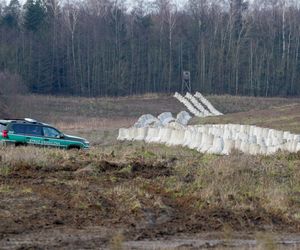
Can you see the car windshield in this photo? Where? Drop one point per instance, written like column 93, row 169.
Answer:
column 51, row 132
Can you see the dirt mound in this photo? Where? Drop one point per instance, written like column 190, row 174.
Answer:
column 135, row 168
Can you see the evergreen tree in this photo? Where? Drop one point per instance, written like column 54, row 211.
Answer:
column 11, row 14
column 35, row 14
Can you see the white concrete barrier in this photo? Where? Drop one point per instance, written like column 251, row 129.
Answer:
column 189, row 106
column 146, row 120
column 217, row 147
column 261, row 141
column 210, row 107
column 183, row 118
column 197, row 140
column 165, row 118
column 228, row 146
column 188, row 137
column 177, row 137
column 237, row 144
column 245, row 147
column 254, row 149
column 198, row 105
column 207, row 143
column 263, row 150
column 156, row 136
column 227, row 134
column 123, row 134
column 132, row 133
column 141, row 134
column 152, row 132
column 217, row 138
column 166, row 135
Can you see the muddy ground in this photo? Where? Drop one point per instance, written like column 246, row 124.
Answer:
column 80, row 200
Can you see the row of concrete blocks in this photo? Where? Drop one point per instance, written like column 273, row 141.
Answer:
column 217, row 139
column 198, row 105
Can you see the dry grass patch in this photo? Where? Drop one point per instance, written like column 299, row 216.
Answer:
column 156, row 190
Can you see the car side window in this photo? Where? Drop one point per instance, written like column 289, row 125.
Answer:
column 33, row 130
column 51, row 132
column 19, row 128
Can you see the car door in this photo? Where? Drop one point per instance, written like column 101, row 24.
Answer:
column 33, row 135
column 52, row 137
column 17, row 133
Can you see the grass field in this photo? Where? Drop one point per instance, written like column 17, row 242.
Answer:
column 121, row 192
column 98, row 119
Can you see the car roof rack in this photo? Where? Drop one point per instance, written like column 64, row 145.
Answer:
column 30, row 120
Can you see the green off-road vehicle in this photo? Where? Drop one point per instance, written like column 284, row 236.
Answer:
column 31, row 132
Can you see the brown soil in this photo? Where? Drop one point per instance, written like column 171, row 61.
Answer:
column 60, row 206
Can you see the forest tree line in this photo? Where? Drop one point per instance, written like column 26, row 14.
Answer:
column 103, row 47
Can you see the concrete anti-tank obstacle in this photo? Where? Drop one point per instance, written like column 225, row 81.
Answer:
column 198, row 105
column 217, row 139
column 132, row 133
column 228, row 146
column 177, row 137
column 166, row 135
column 207, row 143
column 156, row 138
column 142, row 133
column 197, row 140
column 227, row 133
column 189, row 135
column 237, row 144
column 254, row 149
column 217, row 147
column 183, row 118
column 152, row 133
column 160, row 134
column 122, row 134
column 210, row 107
column 147, row 120
column 189, row 106
column 176, row 125
column 165, row 118
column 245, row 147
column 263, row 150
